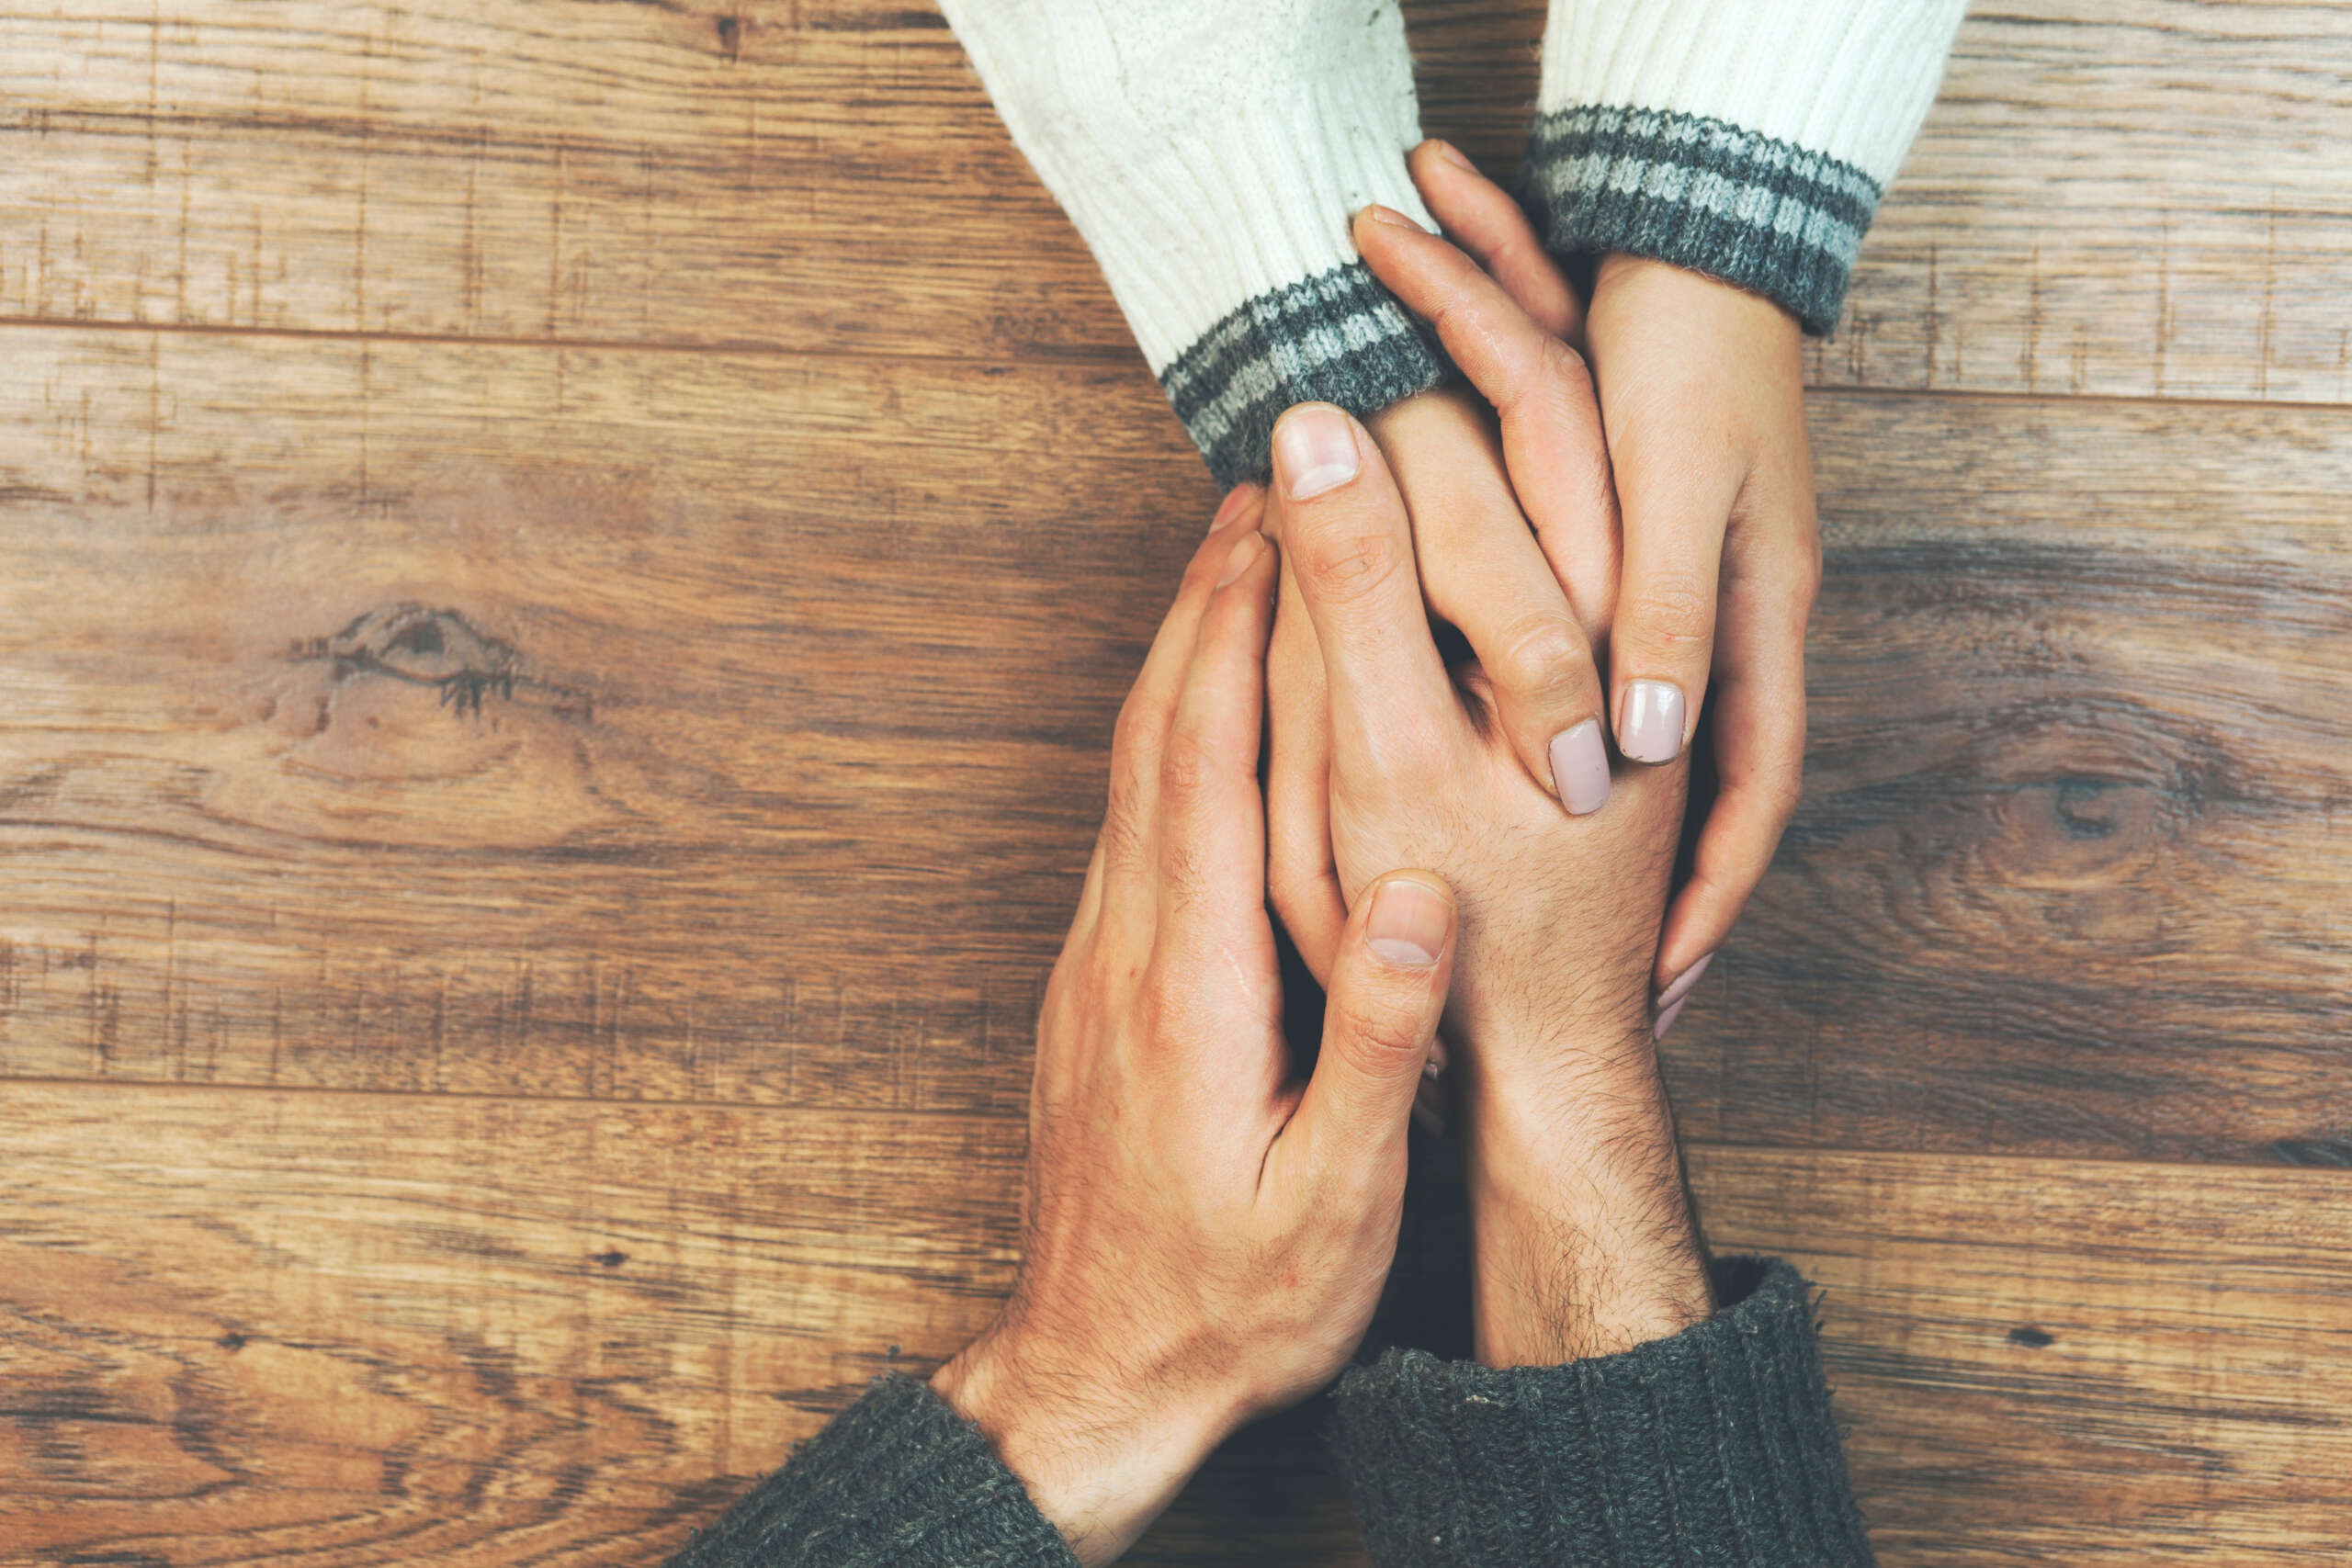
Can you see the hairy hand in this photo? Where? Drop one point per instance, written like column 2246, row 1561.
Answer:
column 1205, row 1237
column 1582, row 1243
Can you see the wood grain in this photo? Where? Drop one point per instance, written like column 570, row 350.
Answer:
column 2118, row 196
column 569, row 570
column 2069, row 872
column 446, row 716
column 484, row 1331
column 796, row 662
column 2070, row 1361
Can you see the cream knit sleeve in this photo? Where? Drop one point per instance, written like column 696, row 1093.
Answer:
column 1211, row 153
column 1746, row 139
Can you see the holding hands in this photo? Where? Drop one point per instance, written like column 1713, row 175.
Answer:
column 1205, row 1237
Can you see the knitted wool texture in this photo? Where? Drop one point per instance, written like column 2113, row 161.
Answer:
column 1749, row 140
column 897, row 1481
column 1714, row 1446
column 1212, row 152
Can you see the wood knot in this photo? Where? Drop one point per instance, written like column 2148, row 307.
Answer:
column 411, row 725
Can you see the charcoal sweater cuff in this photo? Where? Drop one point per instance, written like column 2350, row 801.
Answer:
column 1716, row 1446
column 898, row 1480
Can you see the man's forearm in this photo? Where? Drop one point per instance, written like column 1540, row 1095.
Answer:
column 1583, row 1239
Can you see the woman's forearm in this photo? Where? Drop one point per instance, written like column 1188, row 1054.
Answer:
column 1211, row 154
column 1749, row 140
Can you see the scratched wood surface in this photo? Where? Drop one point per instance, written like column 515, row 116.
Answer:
column 569, row 570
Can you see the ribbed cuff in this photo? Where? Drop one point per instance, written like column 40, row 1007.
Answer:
column 898, row 1480
column 1715, row 1446
column 1765, row 215
column 1338, row 337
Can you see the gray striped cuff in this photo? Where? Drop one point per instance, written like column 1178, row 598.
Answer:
column 1337, row 338
column 1766, row 215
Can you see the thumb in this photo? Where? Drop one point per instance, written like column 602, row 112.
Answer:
column 1387, row 991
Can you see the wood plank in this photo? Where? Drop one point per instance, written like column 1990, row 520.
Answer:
column 721, row 685
column 2070, row 873
column 804, row 667
column 2071, row 1361
column 2118, row 197
column 345, row 1329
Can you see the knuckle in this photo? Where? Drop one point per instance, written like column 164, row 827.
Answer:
column 1540, row 656
column 1345, row 565
column 1674, row 612
column 1125, row 838
column 1380, row 1033
column 1135, row 738
column 1188, row 766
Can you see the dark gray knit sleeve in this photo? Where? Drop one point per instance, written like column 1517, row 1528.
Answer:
column 1715, row 1447
column 897, row 1481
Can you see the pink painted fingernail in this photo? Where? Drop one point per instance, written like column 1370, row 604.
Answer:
column 1649, row 729
column 1315, row 450
column 1410, row 923
column 1683, row 984
column 1665, row 1021
column 1580, row 768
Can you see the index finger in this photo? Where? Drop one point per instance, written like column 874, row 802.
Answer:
column 1542, row 394
column 1345, row 533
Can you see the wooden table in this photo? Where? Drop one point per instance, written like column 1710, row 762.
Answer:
column 569, row 569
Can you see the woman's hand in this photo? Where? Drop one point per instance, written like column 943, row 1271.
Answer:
column 1700, row 393
column 1206, row 1238
column 1583, row 1245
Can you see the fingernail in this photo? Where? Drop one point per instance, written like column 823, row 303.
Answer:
column 1650, row 728
column 1454, row 155
column 1683, row 982
column 1665, row 1021
column 1236, row 500
column 1580, row 768
column 1410, row 923
column 1315, row 450
column 1242, row 557
column 1390, row 217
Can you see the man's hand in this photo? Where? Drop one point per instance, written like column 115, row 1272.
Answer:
column 1702, row 396
column 1583, row 1245
column 1206, row 1238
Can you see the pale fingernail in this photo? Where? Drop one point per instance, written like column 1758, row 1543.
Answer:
column 1672, row 995
column 1580, row 768
column 1665, row 1021
column 1408, row 923
column 1454, row 155
column 1315, row 450
column 1388, row 217
column 1236, row 502
column 1649, row 729
column 1243, row 556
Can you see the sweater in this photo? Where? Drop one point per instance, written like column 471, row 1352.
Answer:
column 1211, row 154
column 1716, row 1446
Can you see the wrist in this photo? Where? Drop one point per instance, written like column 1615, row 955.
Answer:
column 1099, row 1455
column 1583, row 1240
